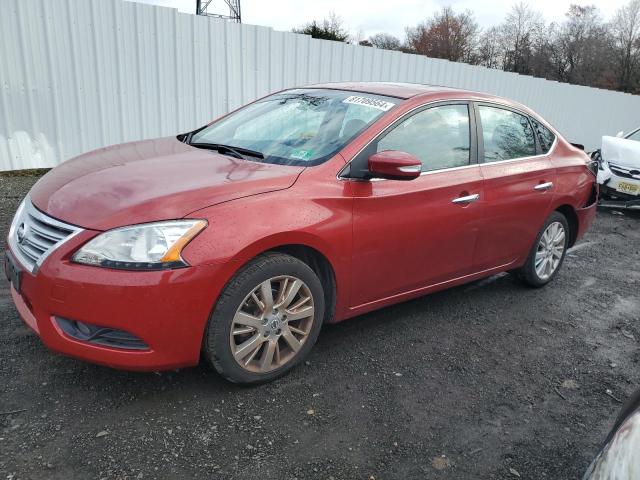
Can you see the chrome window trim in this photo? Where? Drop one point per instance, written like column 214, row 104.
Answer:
column 445, row 102
column 422, row 174
column 530, row 157
column 27, row 208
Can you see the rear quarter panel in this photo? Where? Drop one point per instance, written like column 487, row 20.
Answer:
column 576, row 186
column 574, row 181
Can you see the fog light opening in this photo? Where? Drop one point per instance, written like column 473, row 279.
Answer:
column 104, row 336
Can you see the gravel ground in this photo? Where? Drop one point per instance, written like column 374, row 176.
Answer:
column 487, row 380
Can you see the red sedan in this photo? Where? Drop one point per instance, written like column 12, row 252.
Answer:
column 309, row 206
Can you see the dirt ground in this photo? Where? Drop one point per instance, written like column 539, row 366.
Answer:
column 487, row 380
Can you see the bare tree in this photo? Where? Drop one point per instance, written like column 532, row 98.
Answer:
column 583, row 42
column 545, row 57
column 519, row 34
column 625, row 29
column 489, row 49
column 550, row 60
column 360, row 39
column 582, row 49
column 385, row 41
column 328, row 29
column 445, row 35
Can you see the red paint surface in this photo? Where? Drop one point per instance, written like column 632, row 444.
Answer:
column 386, row 241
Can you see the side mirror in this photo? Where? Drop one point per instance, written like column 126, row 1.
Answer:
column 620, row 134
column 394, row 165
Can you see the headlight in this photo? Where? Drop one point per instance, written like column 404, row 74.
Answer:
column 150, row 246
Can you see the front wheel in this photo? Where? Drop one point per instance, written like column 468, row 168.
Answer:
column 266, row 320
column 548, row 252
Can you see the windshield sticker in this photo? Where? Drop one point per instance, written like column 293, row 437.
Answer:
column 300, row 154
column 369, row 102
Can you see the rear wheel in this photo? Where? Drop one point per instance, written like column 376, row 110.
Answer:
column 548, row 252
column 266, row 320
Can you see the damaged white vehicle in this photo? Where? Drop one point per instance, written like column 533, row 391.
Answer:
column 619, row 170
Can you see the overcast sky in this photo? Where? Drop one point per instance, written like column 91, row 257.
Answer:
column 373, row 16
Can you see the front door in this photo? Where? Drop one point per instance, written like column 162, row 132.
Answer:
column 412, row 234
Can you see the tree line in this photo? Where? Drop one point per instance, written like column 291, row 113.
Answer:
column 583, row 49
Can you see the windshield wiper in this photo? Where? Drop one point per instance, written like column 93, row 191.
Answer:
column 237, row 152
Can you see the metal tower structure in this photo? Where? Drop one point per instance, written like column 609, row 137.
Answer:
column 204, row 7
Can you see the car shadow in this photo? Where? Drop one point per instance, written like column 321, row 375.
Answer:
column 334, row 341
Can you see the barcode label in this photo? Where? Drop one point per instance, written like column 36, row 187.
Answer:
column 369, row 102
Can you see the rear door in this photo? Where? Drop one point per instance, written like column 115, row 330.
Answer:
column 519, row 181
column 412, row 234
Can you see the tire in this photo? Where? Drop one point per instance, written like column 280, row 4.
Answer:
column 528, row 272
column 263, row 344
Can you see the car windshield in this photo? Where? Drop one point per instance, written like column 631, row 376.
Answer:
column 634, row 135
column 295, row 127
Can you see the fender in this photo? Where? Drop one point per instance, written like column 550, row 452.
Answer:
column 243, row 230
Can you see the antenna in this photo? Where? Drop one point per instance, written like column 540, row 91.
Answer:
column 204, row 7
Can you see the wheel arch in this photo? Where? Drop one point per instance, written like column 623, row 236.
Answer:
column 321, row 266
column 309, row 250
column 572, row 219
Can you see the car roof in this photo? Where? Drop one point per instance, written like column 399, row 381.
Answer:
column 391, row 89
column 410, row 90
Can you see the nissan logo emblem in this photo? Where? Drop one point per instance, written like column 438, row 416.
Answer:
column 21, row 233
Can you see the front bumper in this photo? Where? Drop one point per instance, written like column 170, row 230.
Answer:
column 612, row 197
column 618, row 181
column 167, row 310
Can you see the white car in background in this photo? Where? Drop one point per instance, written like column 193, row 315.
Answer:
column 619, row 170
column 619, row 456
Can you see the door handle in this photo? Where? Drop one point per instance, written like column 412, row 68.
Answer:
column 543, row 186
column 468, row 199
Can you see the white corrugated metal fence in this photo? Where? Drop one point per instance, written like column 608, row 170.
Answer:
column 77, row 75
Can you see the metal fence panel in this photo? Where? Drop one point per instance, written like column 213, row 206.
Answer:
column 86, row 74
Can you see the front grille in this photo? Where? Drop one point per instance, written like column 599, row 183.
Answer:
column 34, row 235
column 625, row 171
column 105, row 336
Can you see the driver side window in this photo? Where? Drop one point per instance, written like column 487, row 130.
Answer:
column 438, row 136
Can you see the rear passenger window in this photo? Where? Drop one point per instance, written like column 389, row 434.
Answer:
column 545, row 136
column 438, row 136
column 506, row 134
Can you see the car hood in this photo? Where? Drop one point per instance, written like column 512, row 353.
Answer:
column 150, row 180
column 620, row 151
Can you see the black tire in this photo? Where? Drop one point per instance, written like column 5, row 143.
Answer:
column 216, row 343
column 527, row 273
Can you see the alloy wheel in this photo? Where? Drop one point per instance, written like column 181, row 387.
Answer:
column 550, row 250
column 271, row 324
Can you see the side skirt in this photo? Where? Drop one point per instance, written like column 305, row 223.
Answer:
column 419, row 292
